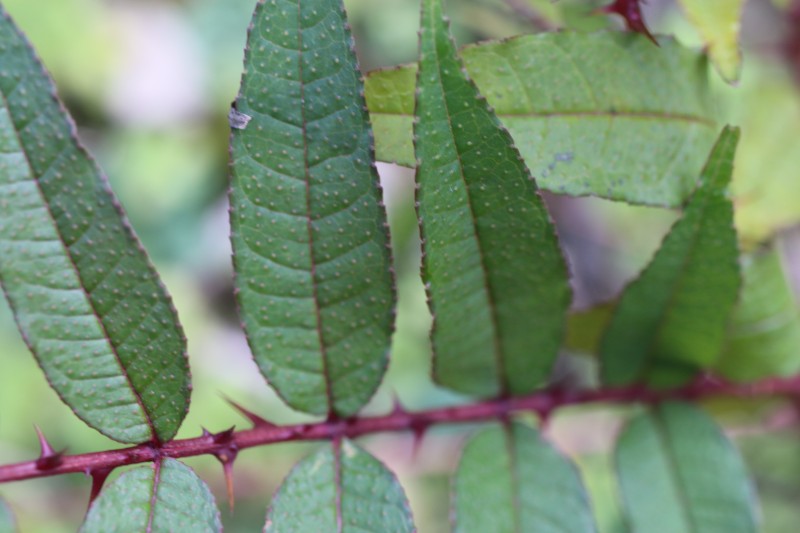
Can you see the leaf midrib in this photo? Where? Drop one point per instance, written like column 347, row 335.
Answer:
column 309, row 224
column 497, row 341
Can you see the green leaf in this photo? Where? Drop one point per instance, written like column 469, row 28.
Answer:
column 585, row 328
column 308, row 227
column 606, row 114
column 510, row 480
column 7, row 522
column 765, row 183
column 84, row 294
column 718, row 22
column 763, row 337
column 340, row 488
column 678, row 473
column 496, row 278
column 670, row 321
column 163, row 497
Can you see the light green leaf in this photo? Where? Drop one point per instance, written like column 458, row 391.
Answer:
column 308, row 227
column 510, row 480
column 606, row 114
column 86, row 299
column 718, row 22
column 766, row 181
column 763, row 337
column 679, row 473
column 340, row 488
column 670, row 322
column 7, row 522
column 496, row 277
column 159, row 498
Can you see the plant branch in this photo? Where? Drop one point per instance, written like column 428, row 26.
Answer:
column 541, row 402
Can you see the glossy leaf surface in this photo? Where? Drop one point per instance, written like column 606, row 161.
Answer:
column 340, row 489
column 510, row 480
column 310, row 247
column 678, row 472
column 154, row 499
column 496, row 279
column 606, row 114
column 670, row 321
column 86, row 299
column 718, row 23
column 763, row 337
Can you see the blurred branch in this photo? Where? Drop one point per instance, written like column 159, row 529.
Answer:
column 229, row 443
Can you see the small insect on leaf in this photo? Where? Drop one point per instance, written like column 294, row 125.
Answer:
column 237, row 120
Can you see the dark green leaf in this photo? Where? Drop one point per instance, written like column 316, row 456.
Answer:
column 163, row 497
column 670, row 322
column 340, row 488
column 510, row 480
column 605, row 113
column 496, row 278
column 679, row 473
column 308, row 227
column 7, row 522
column 763, row 337
column 86, row 299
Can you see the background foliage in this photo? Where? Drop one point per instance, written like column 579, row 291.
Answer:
column 150, row 84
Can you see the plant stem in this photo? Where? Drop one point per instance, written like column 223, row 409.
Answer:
column 541, row 402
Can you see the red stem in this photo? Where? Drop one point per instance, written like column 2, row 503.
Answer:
column 542, row 402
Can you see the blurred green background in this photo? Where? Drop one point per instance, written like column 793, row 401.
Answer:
column 150, row 83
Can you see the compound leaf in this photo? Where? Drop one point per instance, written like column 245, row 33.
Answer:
column 670, row 322
column 678, row 472
column 308, row 227
column 496, row 278
column 605, row 114
column 510, row 480
column 340, row 488
column 163, row 497
column 763, row 337
column 718, row 22
column 85, row 296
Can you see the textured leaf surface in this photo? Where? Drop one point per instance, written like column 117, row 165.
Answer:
column 671, row 321
column 510, row 480
column 311, row 250
column 718, row 22
column 606, row 114
column 155, row 499
column 7, row 522
column 85, row 297
column 496, row 278
column 763, row 337
column 341, row 489
column 678, row 473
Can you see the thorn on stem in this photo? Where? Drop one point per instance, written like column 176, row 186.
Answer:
column 226, row 457
column 48, row 458
column 631, row 11
column 99, row 477
column 256, row 420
